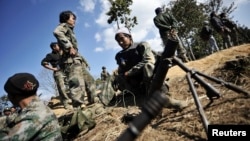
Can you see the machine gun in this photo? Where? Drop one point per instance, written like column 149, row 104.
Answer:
column 157, row 99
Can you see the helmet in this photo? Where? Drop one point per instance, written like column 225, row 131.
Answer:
column 124, row 31
column 103, row 67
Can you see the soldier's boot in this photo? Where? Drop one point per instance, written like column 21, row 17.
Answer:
column 175, row 104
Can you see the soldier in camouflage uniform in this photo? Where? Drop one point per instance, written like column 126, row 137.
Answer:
column 167, row 24
column 136, row 62
column 52, row 62
column 34, row 121
column 104, row 74
column 80, row 81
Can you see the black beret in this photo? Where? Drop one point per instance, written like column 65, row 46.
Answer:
column 21, row 84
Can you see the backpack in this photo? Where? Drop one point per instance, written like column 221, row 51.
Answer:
column 107, row 91
column 75, row 122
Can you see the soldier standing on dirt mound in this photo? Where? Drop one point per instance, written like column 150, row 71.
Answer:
column 206, row 35
column 136, row 63
column 167, row 24
column 73, row 64
column 223, row 30
column 232, row 26
column 52, row 62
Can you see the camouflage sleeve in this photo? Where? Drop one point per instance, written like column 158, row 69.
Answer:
column 147, row 57
column 60, row 34
column 3, row 122
column 36, row 123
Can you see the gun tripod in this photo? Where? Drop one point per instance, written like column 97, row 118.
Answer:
column 157, row 100
column 212, row 93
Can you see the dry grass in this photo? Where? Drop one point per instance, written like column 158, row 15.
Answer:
column 230, row 108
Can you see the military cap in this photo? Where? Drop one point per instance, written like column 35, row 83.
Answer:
column 21, row 84
column 123, row 31
column 6, row 109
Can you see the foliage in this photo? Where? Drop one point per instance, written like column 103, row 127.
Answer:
column 191, row 16
column 119, row 12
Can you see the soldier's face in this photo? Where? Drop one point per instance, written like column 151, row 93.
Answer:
column 123, row 40
column 56, row 48
column 71, row 21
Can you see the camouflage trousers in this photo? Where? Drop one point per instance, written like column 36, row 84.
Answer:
column 76, row 83
column 90, row 85
column 59, row 78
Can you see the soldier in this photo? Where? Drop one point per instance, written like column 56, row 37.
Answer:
column 52, row 62
column 207, row 36
column 224, row 31
column 136, row 62
column 34, row 120
column 232, row 26
column 104, row 74
column 167, row 25
column 73, row 64
column 7, row 111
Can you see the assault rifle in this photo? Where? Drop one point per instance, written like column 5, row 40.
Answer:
column 157, row 99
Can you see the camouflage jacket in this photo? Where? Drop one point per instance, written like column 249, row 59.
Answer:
column 104, row 75
column 132, row 59
column 36, row 122
column 66, row 38
column 165, row 22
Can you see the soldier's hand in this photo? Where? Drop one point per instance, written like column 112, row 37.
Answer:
column 56, row 69
column 72, row 51
column 173, row 32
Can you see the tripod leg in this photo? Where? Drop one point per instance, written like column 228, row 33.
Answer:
column 197, row 102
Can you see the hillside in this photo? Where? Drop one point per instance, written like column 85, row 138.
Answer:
column 231, row 65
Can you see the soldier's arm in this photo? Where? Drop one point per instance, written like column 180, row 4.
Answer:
column 3, row 122
column 148, row 57
column 161, row 24
column 46, row 63
column 60, row 34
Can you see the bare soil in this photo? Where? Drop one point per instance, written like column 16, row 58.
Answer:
column 230, row 65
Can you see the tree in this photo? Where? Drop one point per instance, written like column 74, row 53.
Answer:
column 47, row 82
column 119, row 12
column 190, row 16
